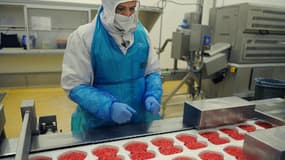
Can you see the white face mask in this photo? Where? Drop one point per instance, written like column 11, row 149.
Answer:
column 125, row 23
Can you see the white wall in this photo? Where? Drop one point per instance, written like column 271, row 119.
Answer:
column 172, row 16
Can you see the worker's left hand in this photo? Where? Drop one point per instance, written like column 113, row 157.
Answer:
column 152, row 105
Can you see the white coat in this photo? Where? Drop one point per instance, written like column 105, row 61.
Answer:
column 77, row 68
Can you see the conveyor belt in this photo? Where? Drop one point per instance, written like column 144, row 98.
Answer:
column 195, row 144
column 162, row 139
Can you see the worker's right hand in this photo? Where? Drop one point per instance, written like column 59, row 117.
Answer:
column 121, row 113
column 152, row 105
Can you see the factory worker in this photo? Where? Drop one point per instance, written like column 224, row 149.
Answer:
column 111, row 70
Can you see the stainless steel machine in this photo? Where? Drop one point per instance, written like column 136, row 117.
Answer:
column 247, row 41
column 235, row 130
column 256, row 34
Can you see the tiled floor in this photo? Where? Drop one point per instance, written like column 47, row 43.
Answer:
column 53, row 101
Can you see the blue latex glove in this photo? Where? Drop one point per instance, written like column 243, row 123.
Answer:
column 121, row 113
column 152, row 105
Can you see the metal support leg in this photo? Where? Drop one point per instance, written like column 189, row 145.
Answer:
column 24, row 141
column 29, row 127
column 173, row 93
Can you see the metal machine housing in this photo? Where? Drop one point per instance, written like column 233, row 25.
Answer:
column 256, row 32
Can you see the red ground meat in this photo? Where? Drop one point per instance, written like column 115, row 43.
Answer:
column 237, row 136
column 190, row 141
column 139, row 151
column 182, row 158
column 142, row 155
column 247, row 127
column 110, row 158
column 73, row 155
column 235, row 151
column 210, row 134
column 264, row 124
column 214, row 138
column 209, row 155
column 229, row 130
column 233, row 133
column 186, row 138
column 136, row 147
column 170, row 150
column 161, row 142
column 105, row 151
column 218, row 141
column 196, row 145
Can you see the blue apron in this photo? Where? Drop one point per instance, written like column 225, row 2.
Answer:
column 120, row 75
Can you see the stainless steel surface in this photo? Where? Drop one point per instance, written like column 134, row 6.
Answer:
column 215, row 63
column 242, row 80
column 248, row 24
column 29, row 127
column 180, row 44
column 2, row 119
column 8, row 147
column 218, row 48
column 58, row 141
column 148, row 16
column 188, row 45
column 208, row 145
column 29, row 105
column 198, row 31
column 265, row 145
column 272, row 110
column 24, row 141
column 187, row 41
column 217, row 111
column 253, row 53
column 54, row 145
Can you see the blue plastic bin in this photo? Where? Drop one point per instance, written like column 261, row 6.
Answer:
column 269, row 88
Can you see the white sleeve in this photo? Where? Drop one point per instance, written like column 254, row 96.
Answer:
column 76, row 67
column 153, row 64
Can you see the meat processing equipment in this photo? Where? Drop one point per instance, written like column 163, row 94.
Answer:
column 173, row 139
column 247, row 41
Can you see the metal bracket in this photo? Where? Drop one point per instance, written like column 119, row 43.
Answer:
column 29, row 105
column 29, row 127
column 47, row 124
